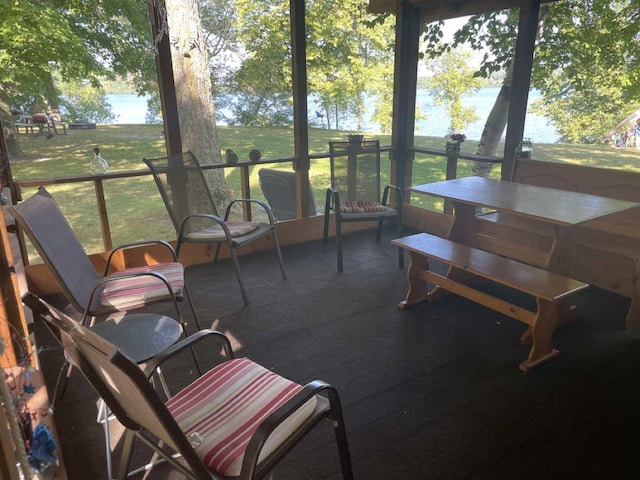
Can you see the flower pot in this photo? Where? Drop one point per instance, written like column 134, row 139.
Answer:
column 355, row 138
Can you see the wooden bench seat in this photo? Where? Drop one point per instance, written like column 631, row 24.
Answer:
column 467, row 263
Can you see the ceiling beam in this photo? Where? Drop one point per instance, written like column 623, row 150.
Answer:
column 433, row 10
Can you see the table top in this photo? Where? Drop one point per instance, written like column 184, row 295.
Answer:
column 560, row 207
column 140, row 336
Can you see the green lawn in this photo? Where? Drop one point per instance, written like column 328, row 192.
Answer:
column 134, row 206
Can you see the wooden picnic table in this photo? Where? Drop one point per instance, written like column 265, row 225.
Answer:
column 551, row 285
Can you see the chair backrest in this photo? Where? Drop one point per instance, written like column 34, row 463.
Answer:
column 183, row 188
column 355, row 170
column 279, row 188
column 52, row 236
column 117, row 379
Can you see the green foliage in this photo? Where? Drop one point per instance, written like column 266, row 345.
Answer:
column 587, row 61
column 82, row 102
column 72, row 39
column 349, row 60
column 453, row 79
column 589, row 75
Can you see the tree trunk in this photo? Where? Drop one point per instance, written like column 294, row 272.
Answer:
column 494, row 127
column 9, row 129
column 497, row 119
column 196, row 110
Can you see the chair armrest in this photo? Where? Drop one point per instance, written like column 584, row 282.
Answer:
column 332, row 200
column 126, row 246
column 105, row 280
column 259, row 438
column 385, row 195
column 266, row 207
column 186, row 343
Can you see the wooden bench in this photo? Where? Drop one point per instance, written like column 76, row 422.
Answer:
column 26, row 127
column 39, row 128
column 467, row 264
column 606, row 251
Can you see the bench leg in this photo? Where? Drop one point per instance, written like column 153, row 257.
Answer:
column 567, row 313
column 632, row 321
column 417, row 291
column 542, row 334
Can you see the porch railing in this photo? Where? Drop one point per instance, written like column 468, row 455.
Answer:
column 244, row 167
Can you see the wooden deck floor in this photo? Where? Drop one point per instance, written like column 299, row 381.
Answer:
column 433, row 392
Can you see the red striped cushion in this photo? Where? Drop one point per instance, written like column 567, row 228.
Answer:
column 127, row 293
column 361, row 207
column 236, row 229
column 225, row 406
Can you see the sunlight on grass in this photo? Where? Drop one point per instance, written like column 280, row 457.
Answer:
column 135, row 209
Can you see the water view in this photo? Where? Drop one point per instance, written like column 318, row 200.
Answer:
column 132, row 109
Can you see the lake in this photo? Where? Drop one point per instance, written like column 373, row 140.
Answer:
column 131, row 109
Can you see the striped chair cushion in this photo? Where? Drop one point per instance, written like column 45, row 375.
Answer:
column 236, row 229
column 224, row 407
column 127, row 293
column 361, row 207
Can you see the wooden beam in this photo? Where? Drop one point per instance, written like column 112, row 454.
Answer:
column 433, row 10
column 404, row 92
column 522, row 64
column 300, row 116
column 164, row 66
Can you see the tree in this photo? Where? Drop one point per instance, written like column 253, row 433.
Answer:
column 586, row 62
column 196, row 110
column 348, row 61
column 452, row 79
column 72, row 39
column 86, row 103
column 589, row 67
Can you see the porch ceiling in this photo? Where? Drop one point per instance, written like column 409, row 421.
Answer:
column 433, row 10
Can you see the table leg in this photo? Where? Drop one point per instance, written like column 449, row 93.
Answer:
column 417, row 291
column 463, row 225
column 542, row 334
column 559, row 259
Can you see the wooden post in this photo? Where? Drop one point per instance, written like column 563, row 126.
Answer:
column 522, row 64
column 13, row 322
column 102, row 213
column 404, row 92
column 453, row 149
column 300, row 118
column 246, row 191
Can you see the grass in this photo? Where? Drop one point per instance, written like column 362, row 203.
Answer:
column 134, row 206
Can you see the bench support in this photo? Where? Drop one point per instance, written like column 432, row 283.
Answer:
column 468, row 266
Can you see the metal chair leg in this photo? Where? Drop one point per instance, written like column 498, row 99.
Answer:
column 103, row 417
column 190, row 302
column 341, row 434
column 327, row 211
column 379, row 230
column 279, row 252
column 236, row 266
column 339, row 243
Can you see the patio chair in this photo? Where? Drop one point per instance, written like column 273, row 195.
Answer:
column 96, row 297
column 354, row 195
column 238, row 420
column 279, row 188
column 196, row 218
column 91, row 294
